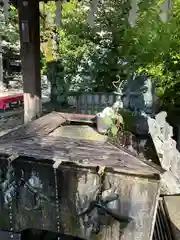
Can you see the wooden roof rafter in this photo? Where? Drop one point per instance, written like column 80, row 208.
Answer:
column 34, row 140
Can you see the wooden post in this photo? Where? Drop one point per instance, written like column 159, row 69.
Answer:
column 30, row 57
column 1, row 67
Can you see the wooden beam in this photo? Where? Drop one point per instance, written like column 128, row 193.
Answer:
column 30, row 57
column 1, row 67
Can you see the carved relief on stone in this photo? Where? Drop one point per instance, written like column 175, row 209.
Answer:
column 138, row 94
column 169, row 157
column 161, row 133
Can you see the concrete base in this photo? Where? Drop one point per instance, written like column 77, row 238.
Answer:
column 172, row 204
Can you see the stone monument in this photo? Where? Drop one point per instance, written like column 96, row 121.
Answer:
column 138, row 94
column 138, row 98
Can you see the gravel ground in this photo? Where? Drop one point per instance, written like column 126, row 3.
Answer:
column 14, row 118
column 8, row 123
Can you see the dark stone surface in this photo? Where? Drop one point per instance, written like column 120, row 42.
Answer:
column 9, row 236
column 139, row 94
column 35, row 234
column 30, row 191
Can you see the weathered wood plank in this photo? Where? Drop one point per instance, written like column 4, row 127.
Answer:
column 66, row 145
column 80, row 117
column 43, row 126
column 39, row 127
column 83, row 156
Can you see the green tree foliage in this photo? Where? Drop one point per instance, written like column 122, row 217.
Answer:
column 158, row 46
column 92, row 58
column 9, row 33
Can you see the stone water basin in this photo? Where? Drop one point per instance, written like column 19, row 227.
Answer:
column 68, row 179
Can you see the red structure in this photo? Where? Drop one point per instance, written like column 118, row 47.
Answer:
column 8, row 100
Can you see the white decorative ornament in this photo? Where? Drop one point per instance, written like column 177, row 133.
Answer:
column 59, row 13
column 6, row 9
column 25, row 3
column 92, row 12
column 165, row 8
column 133, row 13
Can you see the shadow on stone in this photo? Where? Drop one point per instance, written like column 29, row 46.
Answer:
column 37, row 234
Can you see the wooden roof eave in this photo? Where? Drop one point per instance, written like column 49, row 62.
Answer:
column 33, row 141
